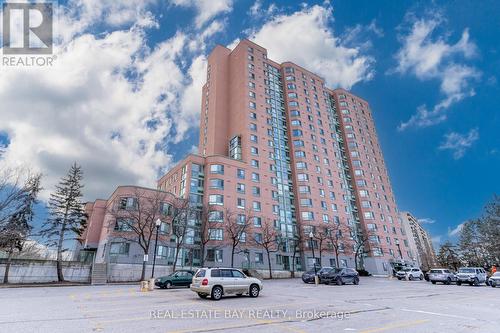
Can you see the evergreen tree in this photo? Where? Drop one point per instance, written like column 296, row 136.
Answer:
column 67, row 218
column 469, row 245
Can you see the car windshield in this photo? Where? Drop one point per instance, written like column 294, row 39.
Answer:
column 336, row 270
column 436, row 271
column 325, row 270
column 406, row 270
column 200, row 273
column 466, row 270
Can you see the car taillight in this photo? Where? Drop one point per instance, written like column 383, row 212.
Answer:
column 204, row 282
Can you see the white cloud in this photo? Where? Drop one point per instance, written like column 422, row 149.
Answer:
column 453, row 232
column 206, row 9
column 109, row 102
column 431, row 58
column 258, row 11
column 459, row 143
column 305, row 38
column 426, row 220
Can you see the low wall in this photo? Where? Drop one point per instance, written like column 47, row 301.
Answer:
column 278, row 274
column 132, row 272
column 40, row 271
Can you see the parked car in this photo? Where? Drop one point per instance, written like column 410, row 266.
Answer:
column 340, row 276
column 218, row 282
column 441, row 275
column 471, row 275
column 410, row 274
column 308, row 277
column 178, row 278
column 494, row 280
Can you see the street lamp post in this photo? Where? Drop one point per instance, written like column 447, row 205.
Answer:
column 316, row 280
column 158, row 224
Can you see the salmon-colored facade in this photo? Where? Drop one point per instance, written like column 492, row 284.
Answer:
column 280, row 121
column 279, row 145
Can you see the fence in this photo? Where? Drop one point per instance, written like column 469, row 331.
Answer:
column 42, row 271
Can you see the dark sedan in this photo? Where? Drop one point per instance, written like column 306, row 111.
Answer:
column 340, row 276
column 179, row 278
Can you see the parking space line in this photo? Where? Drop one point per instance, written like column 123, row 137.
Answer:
column 440, row 314
column 394, row 326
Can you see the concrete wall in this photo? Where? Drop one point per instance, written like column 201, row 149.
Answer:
column 39, row 271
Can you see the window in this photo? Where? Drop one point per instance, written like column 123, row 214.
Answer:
column 256, row 191
column 306, row 202
column 255, row 177
column 240, row 173
column 235, row 148
column 293, row 104
column 253, row 127
column 259, row 258
column 304, row 189
column 300, row 154
column 119, row 248
column 217, row 168
column 123, row 224
column 296, row 122
column 162, row 252
column 294, row 113
column 257, row 237
column 255, row 163
column 254, row 150
column 307, row 216
column 296, row 132
column 369, row 215
column 166, row 208
column 256, row 206
column 241, row 219
column 241, row 203
column 216, row 199
column 217, row 183
column 298, row 143
column 301, row 165
column 128, row 203
column 214, row 255
column 257, row 221
column 252, row 105
column 251, row 94
column 216, row 234
column 254, row 138
column 216, row 216
column 240, row 188
column 302, row 177
column 164, row 228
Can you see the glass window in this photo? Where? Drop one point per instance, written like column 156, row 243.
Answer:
column 240, row 173
column 119, row 248
column 217, row 183
column 216, row 199
column 217, row 168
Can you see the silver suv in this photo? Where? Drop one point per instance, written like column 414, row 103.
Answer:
column 441, row 275
column 471, row 275
column 216, row 282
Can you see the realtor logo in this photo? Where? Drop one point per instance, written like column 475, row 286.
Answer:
column 27, row 28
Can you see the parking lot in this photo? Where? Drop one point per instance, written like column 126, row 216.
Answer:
column 376, row 305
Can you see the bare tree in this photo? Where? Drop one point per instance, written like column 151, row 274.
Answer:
column 335, row 239
column 321, row 237
column 296, row 245
column 235, row 228
column 206, row 233
column 181, row 214
column 267, row 239
column 360, row 247
column 135, row 217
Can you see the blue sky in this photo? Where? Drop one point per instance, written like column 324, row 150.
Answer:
column 123, row 97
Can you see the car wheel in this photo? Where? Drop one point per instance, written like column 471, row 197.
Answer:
column 410, row 277
column 399, row 278
column 356, row 281
column 168, row 284
column 493, row 284
column 216, row 293
column 202, row 295
column 476, row 282
column 448, row 281
column 421, row 277
column 254, row 290
column 339, row 281
column 433, row 282
column 459, row 283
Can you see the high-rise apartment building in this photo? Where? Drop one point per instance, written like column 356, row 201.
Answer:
column 278, row 146
column 421, row 248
